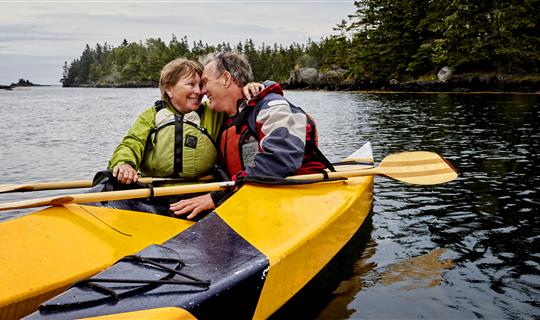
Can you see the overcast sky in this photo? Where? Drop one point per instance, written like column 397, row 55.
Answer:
column 36, row 37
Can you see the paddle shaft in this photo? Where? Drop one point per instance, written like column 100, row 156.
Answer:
column 157, row 192
column 74, row 184
column 411, row 167
column 117, row 195
column 339, row 174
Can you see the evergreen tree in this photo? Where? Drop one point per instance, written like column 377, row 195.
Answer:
column 65, row 74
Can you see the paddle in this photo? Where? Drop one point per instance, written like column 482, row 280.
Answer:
column 416, row 167
column 419, row 167
column 73, row 184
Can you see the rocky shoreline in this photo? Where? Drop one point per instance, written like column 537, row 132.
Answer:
column 310, row 78
column 464, row 83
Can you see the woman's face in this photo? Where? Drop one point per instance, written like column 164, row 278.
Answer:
column 185, row 95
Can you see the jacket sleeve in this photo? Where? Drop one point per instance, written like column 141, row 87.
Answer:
column 131, row 149
column 282, row 138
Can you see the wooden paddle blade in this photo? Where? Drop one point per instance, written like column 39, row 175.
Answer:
column 11, row 188
column 418, row 167
column 32, row 203
column 37, row 186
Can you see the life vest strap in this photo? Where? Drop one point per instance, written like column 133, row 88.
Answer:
column 178, row 144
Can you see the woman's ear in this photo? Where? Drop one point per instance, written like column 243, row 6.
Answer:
column 168, row 91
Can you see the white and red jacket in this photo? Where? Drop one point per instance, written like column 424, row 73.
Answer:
column 269, row 136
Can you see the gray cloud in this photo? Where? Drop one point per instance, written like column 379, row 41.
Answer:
column 44, row 34
column 10, row 33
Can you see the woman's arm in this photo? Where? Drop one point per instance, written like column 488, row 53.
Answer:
column 131, row 150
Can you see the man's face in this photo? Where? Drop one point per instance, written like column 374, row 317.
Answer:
column 213, row 86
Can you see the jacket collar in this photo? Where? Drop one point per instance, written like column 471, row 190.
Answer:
column 274, row 88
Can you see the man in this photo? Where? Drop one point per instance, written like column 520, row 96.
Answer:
column 264, row 136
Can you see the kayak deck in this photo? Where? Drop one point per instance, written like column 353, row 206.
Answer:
column 50, row 249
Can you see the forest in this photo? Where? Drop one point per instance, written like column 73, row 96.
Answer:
column 379, row 42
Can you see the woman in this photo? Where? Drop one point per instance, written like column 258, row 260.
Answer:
column 175, row 137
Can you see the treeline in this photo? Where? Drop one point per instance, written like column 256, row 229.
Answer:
column 140, row 63
column 404, row 39
column 380, row 41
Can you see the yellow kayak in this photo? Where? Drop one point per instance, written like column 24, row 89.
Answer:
column 244, row 260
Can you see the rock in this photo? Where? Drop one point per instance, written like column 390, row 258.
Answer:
column 303, row 77
column 311, row 78
column 444, row 74
column 487, row 78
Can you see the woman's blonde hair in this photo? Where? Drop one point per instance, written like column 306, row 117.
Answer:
column 174, row 70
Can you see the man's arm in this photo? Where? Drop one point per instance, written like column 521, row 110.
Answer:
column 282, row 133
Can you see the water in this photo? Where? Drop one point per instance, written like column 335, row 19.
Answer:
column 463, row 250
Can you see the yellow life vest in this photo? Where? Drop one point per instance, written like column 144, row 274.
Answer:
column 178, row 146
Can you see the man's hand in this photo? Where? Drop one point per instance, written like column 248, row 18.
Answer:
column 252, row 89
column 194, row 205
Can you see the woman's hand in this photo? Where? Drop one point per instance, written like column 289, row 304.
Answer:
column 125, row 173
column 194, row 205
column 252, row 89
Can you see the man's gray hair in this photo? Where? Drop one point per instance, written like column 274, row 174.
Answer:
column 233, row 62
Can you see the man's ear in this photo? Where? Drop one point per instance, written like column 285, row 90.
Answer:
column 227, row 78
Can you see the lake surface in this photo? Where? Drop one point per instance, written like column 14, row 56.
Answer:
column 468, row 249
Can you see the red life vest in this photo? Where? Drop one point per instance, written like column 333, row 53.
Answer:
column 231, row 143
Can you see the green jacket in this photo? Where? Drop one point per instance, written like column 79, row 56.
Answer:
column 160, row 156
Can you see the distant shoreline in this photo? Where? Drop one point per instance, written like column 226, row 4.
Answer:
column 22, row 83
column 338, row 81
column 11, row 87
column 477, row 83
